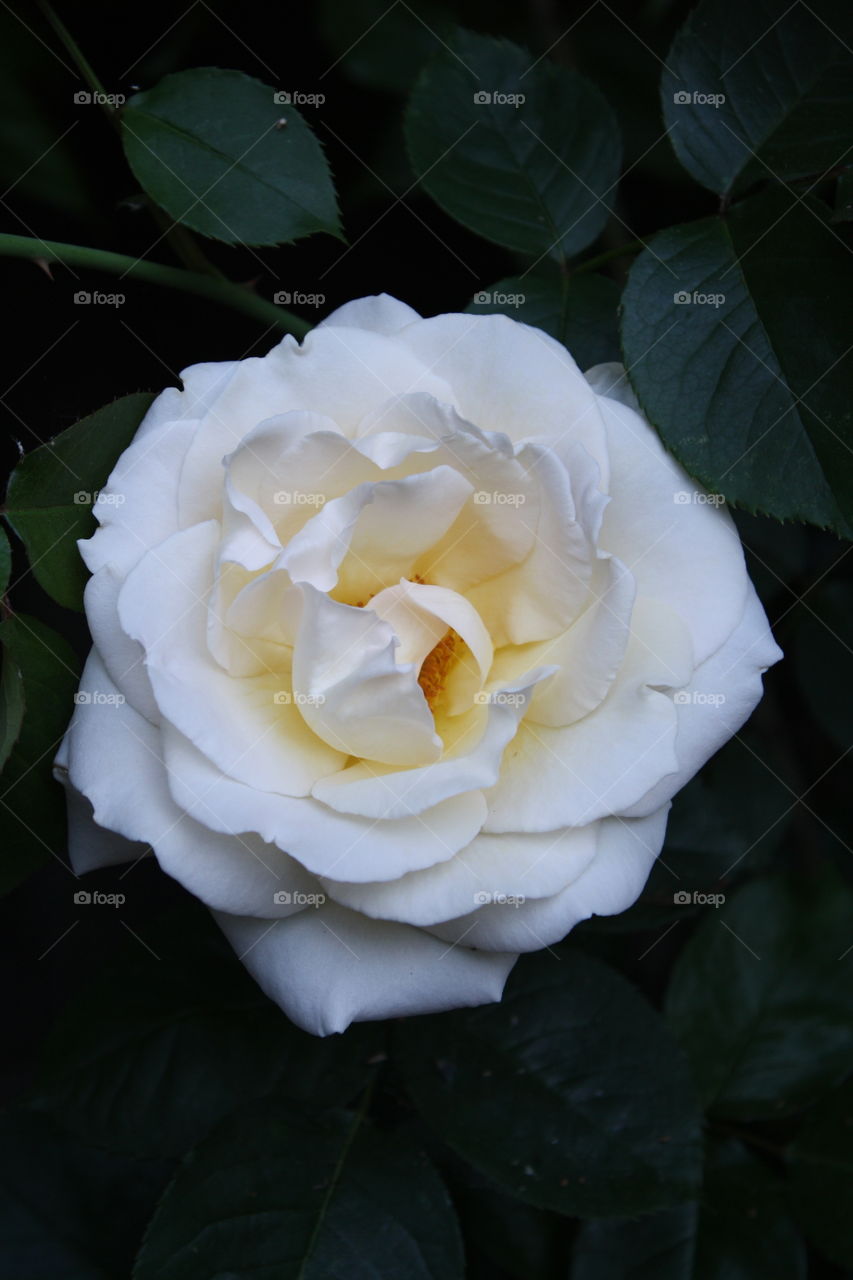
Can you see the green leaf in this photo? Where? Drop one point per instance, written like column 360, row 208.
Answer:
column 274, row 1193
column 761, row 997
column 569, row 1094
column 382, row 46
column 164, row 1046
column 41, row 672
column 784, row 77
column 739, row 1231
column 822, row 1175
column 713, row 319
column 207, row 145
column 68, row 1211
column 52, row 491
column 578, row 311
column 5, row 562
column 532, row 175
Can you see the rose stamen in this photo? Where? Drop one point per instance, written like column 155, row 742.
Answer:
column 435, row 666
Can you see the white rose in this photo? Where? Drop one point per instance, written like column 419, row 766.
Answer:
column 411, row 633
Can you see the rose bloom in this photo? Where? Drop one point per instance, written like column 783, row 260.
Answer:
column 404, row 638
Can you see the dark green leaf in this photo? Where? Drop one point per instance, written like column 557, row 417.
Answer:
column 274, row 1193
column 68, row 1211
column 533, row 175
column 159, row 1050
column 382, row 46
column 5, row 562
column 822, row 1175
column 760, row 91
column 207, row 145
column 569, row 1093
column 713, row 320
column 579, row 311
column 52, row 490
column 42, row 678
column 762, row 1000
column 739, row 1231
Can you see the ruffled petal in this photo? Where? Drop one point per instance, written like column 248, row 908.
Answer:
column 682, row 550
column 721, row 695
column 509, row 377
column 250, row 728
column 325, row 842
column 380, row 313
column 611, row 883
column 491, row 868
column 554, row 778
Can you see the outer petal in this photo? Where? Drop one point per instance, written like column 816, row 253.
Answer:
column 331, row 967
column 327, row 843
column 340, row 372
column 113, row 759
column 722, row 694
column 508, row 377
column 267, row 742
column 682, row 550
column 490, row 868
column 380, row 313
column 610, row 884
column 124, row 658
